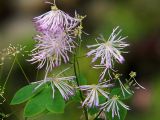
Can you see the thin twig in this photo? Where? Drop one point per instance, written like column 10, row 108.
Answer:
column 98, row 114
column 22, row 71
column 75, row 71
column 1, row 71
column 37, row 75
column 9, row 73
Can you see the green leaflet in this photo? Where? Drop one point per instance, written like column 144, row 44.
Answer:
column 93, row 111
column 82, row 80
column 33, row 108
column 24, row 94
column 37, row 104
column 43, row 101
column 56, row 105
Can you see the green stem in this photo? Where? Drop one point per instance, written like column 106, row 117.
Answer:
column 1, row 72
column 98, row 115
column 78, row 66
column 81, row 96
column 37, row 75
column 22, row 71
column 76, row 63
column 9, row 73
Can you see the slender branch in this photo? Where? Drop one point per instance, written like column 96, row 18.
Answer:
column 9, row 73
column 1, row 71
column 82, row 99
column 76, row 63
column 78, row 66
column 22, row 71
column 98, row 114
column 37, row 75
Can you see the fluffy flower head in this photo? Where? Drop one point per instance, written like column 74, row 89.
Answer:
column 108, row 50
column 60, row 83
column 114, row 105
column 51, row 49
column 93, row 91
column 55, row 18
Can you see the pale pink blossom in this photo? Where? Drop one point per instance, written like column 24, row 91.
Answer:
column 93, row 91
column 60, row 83
column 51, row 49
column 108, row 50
column 55, row 18
column 113, row 105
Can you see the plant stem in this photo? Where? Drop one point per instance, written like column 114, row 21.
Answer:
column 1, row 71
column 78, row 66
column 98, row 115
column 37, row 75
column 75, row 71
column 9, row 73
column 22, row 71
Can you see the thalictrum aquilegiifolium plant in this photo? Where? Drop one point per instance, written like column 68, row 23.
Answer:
column 58, row 38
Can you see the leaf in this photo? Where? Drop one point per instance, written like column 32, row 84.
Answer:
column 122, row 113
column 33, row 108
column 37, row 104
column 102, row 99
column 82, row 80
column 118, row 91
column 57, row 104
column 76, row 97
column 24, row 94
column 44, row 101
column 93, row 110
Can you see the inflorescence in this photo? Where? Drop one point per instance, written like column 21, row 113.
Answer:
column 55, row 40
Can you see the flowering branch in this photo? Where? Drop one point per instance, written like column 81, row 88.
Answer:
column 55, row 40
column 77, row 81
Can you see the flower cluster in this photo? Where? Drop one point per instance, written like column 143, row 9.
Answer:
column 113, row 105
column 108, row 51
column 11, row 51
column 61, row 83
column 2, row 98
column 57, row 31
column 55, row 41
column 52, row 49
column 92, row 98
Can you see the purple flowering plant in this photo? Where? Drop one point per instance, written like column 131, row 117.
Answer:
column 58, row 41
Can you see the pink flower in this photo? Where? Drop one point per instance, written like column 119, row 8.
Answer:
column 113, row 105
column 92, row 99
column 51, row 49
column 60, row 83
column 55, row 18
column 108, row 50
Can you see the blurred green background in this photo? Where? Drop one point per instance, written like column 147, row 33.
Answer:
column 140, row 21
